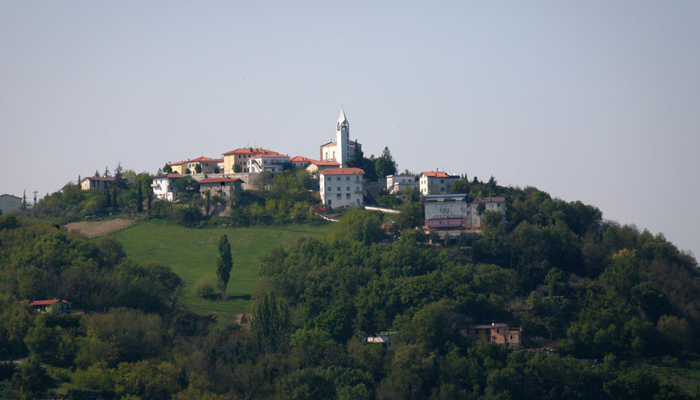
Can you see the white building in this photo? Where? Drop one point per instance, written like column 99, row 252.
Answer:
column 164, row 186
column 271, row 162
column 458, row 212
column 9, row 203
column 342, row 150
column 399, row 183
column 95, row 182
column 435, row 182
column 342, row 187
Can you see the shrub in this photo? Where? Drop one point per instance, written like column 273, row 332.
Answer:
column 204, row 287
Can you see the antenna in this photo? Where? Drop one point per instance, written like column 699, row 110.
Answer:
column 35, row 192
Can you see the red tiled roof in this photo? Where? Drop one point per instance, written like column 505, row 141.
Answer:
column 326, row 163
column 45, row 302
column 437, row 174
column 247, row 150
column 343, row 171
column 301, row 159
column 200, row 159
column 178, row 163
column 329, row 144
column 218, row 180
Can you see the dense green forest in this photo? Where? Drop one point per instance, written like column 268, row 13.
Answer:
column 620, row 304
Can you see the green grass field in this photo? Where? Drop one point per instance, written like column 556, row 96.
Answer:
column 192, row 253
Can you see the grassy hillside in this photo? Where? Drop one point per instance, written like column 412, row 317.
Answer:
column 191, row 253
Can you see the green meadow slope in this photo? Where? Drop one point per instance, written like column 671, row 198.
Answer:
column 192, row 253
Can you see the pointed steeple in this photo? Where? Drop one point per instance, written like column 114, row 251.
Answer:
column 342, row 118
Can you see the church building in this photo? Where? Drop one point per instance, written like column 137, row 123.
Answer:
column 342, row 150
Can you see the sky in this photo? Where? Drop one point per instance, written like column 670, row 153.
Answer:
column 595, row 101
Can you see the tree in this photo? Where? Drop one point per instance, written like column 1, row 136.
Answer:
column 167, row 169
column 207, row 200
column 385, row 164
column 237, row 168
column 198, row 168
column 139, row 199
column 150, row 199
column 263, row 182
column 24, row 200
column 224, row 263
column 107, row 174
column 97, row 174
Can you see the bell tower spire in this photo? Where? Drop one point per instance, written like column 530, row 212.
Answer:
column 343, row 138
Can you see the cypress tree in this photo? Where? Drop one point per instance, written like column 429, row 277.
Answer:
column 224, row 263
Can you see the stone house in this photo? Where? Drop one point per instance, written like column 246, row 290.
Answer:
column 497, row 334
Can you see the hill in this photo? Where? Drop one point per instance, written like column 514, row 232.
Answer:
column 191, row 253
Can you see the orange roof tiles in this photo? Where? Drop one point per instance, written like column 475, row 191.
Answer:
column 437, row 174
column 45, row 302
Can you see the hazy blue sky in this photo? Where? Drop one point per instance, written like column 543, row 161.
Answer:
column 591, row 101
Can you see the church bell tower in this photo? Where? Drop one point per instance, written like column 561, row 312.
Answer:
column 343, row 139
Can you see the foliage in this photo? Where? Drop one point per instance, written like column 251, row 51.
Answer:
column 224, row 263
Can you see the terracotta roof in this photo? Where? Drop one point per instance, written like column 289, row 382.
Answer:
column 45, row 302
column 343, row 171
column 247, row 150
column 168, row 175
column 438, row 175
column 329, row 144
column 178, row 163
column 301, row 159
column 200, row 159
column 270, row 155
column 326, row 163
column 218, row 180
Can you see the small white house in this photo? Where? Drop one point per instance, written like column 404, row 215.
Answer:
column 267, row 162
column 399, row 183
column 342, row 187
column 95, row 182
column 436, row 182
column 9, row 203
column 164, row 186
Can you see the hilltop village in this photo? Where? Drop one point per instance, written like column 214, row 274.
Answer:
column 441, row 288
column 339, row 177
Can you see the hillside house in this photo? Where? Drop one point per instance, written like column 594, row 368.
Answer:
column 164, row 186
column 435, row 182
column 9, row 203
column 95, row 182
column 342, row 187
column 243, row 157
column 221, row 186
column 497, row 334
column 454, row 213
column 54, row 306
column 398, row 183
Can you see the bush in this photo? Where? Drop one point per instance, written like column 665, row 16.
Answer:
column 205, row 288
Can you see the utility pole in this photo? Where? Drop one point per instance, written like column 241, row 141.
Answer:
column 35, row 192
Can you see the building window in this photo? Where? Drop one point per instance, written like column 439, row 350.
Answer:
column 347, row 196
column 348, row 188
column 339, row 196
column 347, row 178
column 330, row 188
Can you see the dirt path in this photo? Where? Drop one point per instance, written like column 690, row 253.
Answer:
column 99, row 228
